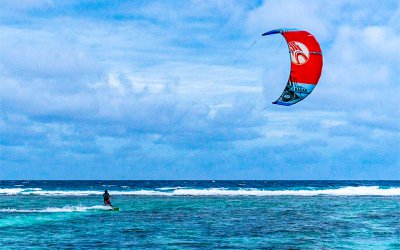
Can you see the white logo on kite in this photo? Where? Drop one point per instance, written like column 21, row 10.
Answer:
column 299, row 53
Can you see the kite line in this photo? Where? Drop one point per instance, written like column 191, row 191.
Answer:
column 148, row 151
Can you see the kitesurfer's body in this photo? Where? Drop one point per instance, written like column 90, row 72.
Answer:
column 107, row 197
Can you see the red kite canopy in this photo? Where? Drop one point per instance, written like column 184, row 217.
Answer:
column 306, row 65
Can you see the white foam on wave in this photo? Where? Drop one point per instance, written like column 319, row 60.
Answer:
column 170, row 188
column 66, row 209
column 15, row 191
column 62, row 193
column 178, row 191
column 11, row 191
column 345, row 191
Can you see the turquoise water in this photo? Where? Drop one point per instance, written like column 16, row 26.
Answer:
column 201, row 215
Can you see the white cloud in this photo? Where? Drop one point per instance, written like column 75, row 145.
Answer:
column 88, row 84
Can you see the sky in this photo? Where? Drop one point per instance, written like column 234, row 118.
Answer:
column 171, row 90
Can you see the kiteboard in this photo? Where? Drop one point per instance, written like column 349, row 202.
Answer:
column 115, row 209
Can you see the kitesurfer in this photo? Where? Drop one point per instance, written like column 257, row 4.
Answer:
column 107, row 197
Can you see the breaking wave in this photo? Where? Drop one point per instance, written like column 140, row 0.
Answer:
column 54, row 209
column 179, row 191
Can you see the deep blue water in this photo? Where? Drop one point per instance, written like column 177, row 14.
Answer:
column 201, row 214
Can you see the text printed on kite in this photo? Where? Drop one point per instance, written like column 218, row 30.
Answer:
column 306, row 65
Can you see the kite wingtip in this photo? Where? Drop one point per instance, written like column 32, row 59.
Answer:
column 282, row 103
column 279, row 31
column 271, row 32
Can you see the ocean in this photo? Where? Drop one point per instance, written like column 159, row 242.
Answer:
column 200, row 215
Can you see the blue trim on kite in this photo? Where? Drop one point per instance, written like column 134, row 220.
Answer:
column 282, row 103
column 279, row 31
